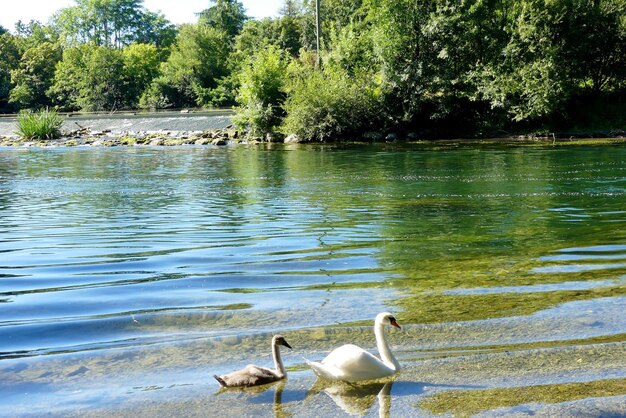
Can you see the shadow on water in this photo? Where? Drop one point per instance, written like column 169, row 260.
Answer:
column 353, row 399
column 359, row 399
column 356, row 400
column 272, row 393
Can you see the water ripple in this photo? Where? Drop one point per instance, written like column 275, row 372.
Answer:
column 128, row 260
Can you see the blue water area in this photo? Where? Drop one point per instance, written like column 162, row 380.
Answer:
column 128, row 276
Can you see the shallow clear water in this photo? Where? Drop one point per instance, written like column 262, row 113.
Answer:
column 128, row 277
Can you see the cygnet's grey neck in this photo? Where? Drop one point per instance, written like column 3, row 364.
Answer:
column 278, row 361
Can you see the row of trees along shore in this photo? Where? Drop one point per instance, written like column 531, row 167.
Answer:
column 424, row 67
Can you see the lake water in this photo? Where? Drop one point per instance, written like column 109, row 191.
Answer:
column 129, row 276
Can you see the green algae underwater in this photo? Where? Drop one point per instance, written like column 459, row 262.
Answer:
column 505, row 264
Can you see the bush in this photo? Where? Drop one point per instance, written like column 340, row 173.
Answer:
column 331, row 104
column 262, row 91
column 44, row 124
column 157, row 95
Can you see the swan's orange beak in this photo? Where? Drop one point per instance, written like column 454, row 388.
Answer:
column 394, row 323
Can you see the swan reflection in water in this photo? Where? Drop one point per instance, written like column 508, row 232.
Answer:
column 357, row 399
column 262, row 394
column 353, row 399
column 360, row 399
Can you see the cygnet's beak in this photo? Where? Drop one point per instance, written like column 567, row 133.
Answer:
column 394, row 323
column 286, row 344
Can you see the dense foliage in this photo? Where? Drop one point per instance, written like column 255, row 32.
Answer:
column 330, row 103
column 196, row 64
column 429, row 67
column 262, row 91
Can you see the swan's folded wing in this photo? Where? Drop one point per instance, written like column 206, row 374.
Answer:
column 250, row 376
column 348, row 357
column 351, row 363
column 319, row 369
column 262, row 375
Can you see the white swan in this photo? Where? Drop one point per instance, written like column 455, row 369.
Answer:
column 351, row 363
column 253, row 375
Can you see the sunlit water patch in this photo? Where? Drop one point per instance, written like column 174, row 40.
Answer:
column 129, row 276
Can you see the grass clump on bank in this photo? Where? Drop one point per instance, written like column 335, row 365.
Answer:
column 43, row 124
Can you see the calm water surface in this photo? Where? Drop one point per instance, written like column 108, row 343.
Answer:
column 128, row 277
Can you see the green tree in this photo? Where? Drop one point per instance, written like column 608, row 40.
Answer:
column 141, row 66
column 283, row 32
column 68, row 83
column 291, row 8
column 156, row 30
column 34, row 33
column 34, row 76
column 91, row 78
column 112, row 23
column 157, row 95
column 456, row 39
column 262, row 91
column 288, row 34
column 288, row 28
column 104, row 83
column 338, row 13
column 198, row 61
column 224, row 15
column 352, row 48
column 9, row 61
column 405, row 54
column 556, row 51
column 254, row 36
column 428, row 54
column 335, row 14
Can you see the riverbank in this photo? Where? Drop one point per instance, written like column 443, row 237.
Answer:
column 215, row 127
column 108, row 138
column 228, row 134
column 129, row 129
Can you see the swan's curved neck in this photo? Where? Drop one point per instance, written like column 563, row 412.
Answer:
column 383, row 347
column 278, row 362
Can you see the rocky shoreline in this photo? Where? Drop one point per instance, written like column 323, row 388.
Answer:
column 230, row 135
column 107, row 138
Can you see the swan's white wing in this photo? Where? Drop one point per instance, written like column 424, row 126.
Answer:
column 351, row 363
column 320, row 370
